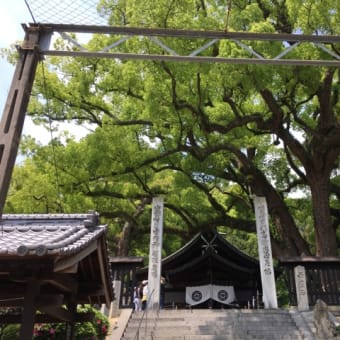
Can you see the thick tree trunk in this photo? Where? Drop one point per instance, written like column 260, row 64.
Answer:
column 291, row 243
column 123, row 244
column 325, row 234
column 318, row 154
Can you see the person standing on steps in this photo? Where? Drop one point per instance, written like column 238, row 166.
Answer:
column 162, row 293
column 137, row 298
column 145, row 294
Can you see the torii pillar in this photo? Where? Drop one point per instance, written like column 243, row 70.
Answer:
column 155, row 256
column 265, row 253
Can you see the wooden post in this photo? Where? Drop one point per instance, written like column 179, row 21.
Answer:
column 13, row 117
column 70, row 330
column 28, row 315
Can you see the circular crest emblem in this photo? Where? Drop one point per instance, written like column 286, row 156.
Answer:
column 222, row 295
column 196, row 295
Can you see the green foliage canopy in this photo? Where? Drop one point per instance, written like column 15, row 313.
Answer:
column 206, row 136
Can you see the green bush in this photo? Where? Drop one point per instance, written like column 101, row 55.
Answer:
column 10, row 332
column 95, row 330
column 282, row 290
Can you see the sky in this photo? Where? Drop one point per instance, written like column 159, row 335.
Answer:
column 12, row 14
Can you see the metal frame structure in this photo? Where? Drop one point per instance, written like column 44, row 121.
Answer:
column 37, row 44
column 167, row 53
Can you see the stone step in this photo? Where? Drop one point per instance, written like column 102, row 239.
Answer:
column 194, row 327
column 257, row 334
column 224, row 335
column 224, row 323
column 289, row 323
column 214, row 337
column 214, row 324
column 215, row 330
column 203, row 330
column 253, row 318
column 269, row 331
column 214, row 312
column 188, row 337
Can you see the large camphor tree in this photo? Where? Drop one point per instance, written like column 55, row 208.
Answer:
column 206, row 136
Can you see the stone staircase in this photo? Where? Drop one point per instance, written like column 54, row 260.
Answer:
column 205, row 324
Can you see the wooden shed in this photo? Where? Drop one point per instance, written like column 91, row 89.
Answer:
column 52, row 263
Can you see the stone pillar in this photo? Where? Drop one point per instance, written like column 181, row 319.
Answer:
column 324, row 325
column 265, row 253
column 301, row 288
column 155, row 256
column 114, row 308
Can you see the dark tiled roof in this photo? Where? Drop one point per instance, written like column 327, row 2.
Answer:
column 57, row 234
column 66, row 254
column 206, row 257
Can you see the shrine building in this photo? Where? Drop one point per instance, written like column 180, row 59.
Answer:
column 206, row 272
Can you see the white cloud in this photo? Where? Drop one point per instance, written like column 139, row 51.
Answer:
column 12, row 14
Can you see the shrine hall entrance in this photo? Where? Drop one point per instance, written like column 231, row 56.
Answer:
column 208, row 272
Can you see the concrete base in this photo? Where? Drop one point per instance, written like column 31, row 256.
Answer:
column 118, row 324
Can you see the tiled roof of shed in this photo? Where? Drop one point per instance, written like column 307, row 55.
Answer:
column 52, row 234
